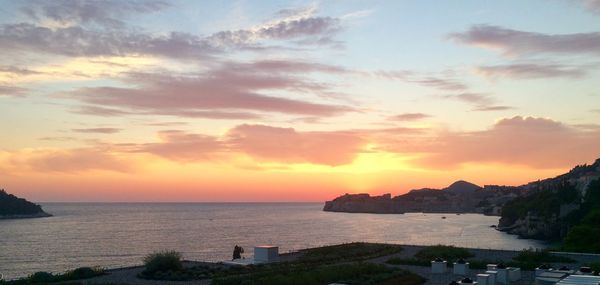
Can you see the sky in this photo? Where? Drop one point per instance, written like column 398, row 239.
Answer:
column 208, row 101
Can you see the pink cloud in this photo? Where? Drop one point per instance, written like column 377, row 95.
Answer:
column 409, row 117
column 181, row 146
column 76, row 160
column 230, row 91
column 288, row 145
column 536, row 142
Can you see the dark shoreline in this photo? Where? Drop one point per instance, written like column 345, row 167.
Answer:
column 28, row 216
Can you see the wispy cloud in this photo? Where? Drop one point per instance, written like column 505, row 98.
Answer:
column 229, row 91
column 97, row 130
column 107, row 13
column 531, row 71
column 515, row 42
column 12, row 91
column 409, row 117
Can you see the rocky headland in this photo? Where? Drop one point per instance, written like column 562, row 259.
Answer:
column 13, row 207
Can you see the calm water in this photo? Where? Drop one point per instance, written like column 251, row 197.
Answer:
column 110, row 235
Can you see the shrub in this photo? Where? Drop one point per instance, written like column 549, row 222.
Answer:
column 162, row 261
column 447, row 252
column 41, row 277
column 81, row 273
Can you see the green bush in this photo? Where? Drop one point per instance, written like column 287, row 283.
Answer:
column 81, row 273
column 446, row 252
column 162, row 261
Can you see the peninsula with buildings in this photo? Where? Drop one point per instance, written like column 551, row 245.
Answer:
column 13, row 207
column 566, row 207
column 459, row 197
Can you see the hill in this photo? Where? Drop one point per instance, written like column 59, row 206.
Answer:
column 13, row 207
column 459, row 197
column 566, row 207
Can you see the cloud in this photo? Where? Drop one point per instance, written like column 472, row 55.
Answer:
column 78, row 41
column 12, row 91
column 262, row 142
column 300, row 25
column 437, row 82
column 535, row 142
column 591, row 5
column 514, row 42
column 75, row 38
column 441, row 83
column 180, row 146
column 74, row 160
column 493, row 108
column 97, row 130
column 409, row 117
column 289, row 146
column 14, row 71
column 478, row 99
column 531, row 71
column 100, row 111
column 231, row 91
column 106, row 13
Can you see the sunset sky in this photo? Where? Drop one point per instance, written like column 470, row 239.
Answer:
column 292, row 100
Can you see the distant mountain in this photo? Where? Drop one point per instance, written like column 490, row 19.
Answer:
column 13, row 207
column 459, row 197
column 462, row 187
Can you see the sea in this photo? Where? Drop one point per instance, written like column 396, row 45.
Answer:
column 120, row 234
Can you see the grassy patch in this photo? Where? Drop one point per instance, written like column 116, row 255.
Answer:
column 353, row 273
column 446, row 252
column 543, row 256
column 347, row 252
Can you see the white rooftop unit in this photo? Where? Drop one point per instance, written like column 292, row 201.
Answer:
column 580, row 280
column 266, row 253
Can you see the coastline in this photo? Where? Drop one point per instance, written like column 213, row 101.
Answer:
column 28, row 216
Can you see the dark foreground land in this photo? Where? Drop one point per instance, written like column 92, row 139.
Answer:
column 355, row 263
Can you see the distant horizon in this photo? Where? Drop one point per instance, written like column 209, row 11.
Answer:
column 292, row 101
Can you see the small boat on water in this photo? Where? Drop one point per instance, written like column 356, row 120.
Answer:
column 443, row 217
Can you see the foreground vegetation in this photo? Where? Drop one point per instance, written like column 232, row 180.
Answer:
column 585, row 235
column 313, row 266
column 356, row 251
column 354, row 273
column 46, row 277
column 526, row 259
